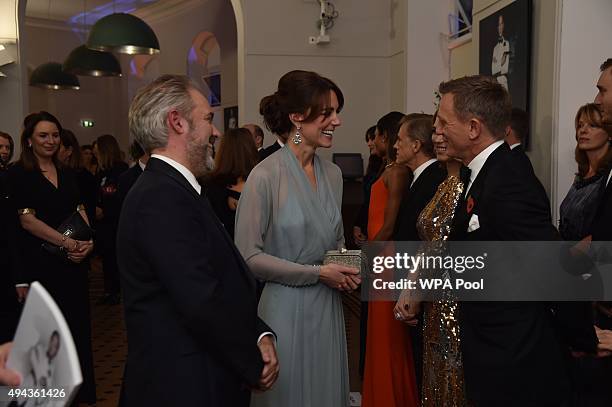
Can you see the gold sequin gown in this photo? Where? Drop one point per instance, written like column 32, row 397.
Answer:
column 443, row 384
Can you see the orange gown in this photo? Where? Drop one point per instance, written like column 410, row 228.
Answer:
column 389, row 378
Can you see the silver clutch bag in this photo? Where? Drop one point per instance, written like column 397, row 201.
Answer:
column 344, row 257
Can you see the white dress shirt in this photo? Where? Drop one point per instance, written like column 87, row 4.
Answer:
column 515, row 145
column 478, row 162
column 419, row 170
column 182, row 169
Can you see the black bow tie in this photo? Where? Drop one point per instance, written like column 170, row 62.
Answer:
column 465, row 173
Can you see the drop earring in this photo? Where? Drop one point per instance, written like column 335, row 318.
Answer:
column 297, row 138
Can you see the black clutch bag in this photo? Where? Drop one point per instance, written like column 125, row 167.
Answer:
column 75, row 228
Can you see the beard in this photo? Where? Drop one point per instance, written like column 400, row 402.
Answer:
column 197, row 155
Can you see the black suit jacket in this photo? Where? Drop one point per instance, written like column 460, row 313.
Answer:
column 190, row 300
column 602, row 223
column 519, row 153
column 268, row 151
column 512, row 353
column 415, row 200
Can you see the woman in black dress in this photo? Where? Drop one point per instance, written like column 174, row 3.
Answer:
column 236, row 157
column 44, row 194
column 110, row 167
column 593, row 155
column 69, row 155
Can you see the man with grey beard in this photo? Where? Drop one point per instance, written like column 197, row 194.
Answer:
column 194, row 338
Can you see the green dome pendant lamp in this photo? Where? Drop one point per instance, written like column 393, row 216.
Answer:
column 123, row 33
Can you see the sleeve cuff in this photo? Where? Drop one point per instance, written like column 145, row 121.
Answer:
column 22, row 285
column 266, row 334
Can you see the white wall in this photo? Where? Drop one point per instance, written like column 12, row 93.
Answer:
column 584, row 45
column 357, row 59
column 13, row 88
column 427, row 56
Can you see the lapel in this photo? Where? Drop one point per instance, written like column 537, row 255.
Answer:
column 157, row 165
column 470, row 202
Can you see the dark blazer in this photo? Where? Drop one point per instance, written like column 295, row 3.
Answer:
column 602, row 223
column 268, row 151
column 415, row 200
column 519, row 152
column 189, row 298
column 512, row 354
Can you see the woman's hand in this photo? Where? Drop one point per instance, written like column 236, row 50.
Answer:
column 407, row 308
column 340, row 277
column 80, row 250
column 22, row 293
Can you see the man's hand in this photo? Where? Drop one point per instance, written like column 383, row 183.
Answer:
column 270, row 371
column 358, row 236
column 604, row 348
column 8, row 377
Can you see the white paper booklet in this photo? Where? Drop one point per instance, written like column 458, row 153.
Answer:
column 44, row 354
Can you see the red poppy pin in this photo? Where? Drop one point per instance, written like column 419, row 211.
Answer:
column 470, row 204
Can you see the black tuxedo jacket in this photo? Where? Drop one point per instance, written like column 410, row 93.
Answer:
column 415, row 200
column 519, row 152
column 602, row 223
column 268, row 151
column 512, row 353
column 190, row 300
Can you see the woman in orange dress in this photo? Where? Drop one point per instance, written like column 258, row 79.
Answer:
column 389, row 378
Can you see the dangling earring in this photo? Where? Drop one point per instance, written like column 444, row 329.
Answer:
column 297, row 138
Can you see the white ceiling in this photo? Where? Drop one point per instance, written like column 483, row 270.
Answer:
column 72, row 11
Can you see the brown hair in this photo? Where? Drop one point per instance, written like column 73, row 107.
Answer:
column 108, row 151
column 298, row 92
column 27, row 158
column 69, row 140
column 606, row 64
column 419, row 127
column 11, row 144
column 389, row 125
column 236, row 157
column 480, row 97
column 593, row 116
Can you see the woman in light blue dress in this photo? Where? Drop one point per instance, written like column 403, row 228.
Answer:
column 288, row 216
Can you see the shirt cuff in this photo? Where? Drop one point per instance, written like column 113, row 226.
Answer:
column 266, row 334
column 22, row 285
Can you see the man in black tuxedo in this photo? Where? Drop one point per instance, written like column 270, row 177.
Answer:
column 511, row 353
column 194, row 338
column 415, row 150
column 258, row 138
column 427, row 174
column 128, row 178
column 517, row 133
column 602, row 224
column 271, row 149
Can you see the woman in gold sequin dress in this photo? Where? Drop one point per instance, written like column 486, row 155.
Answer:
column 443, row 383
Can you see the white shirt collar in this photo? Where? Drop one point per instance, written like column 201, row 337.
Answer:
column 515, row 145
column 142, row 165
column 609, row 176
column 419, row 170
column 279, row 141
column 182, row 169
column 478, row 162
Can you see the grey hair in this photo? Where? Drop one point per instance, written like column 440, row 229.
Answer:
column 151, row 105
